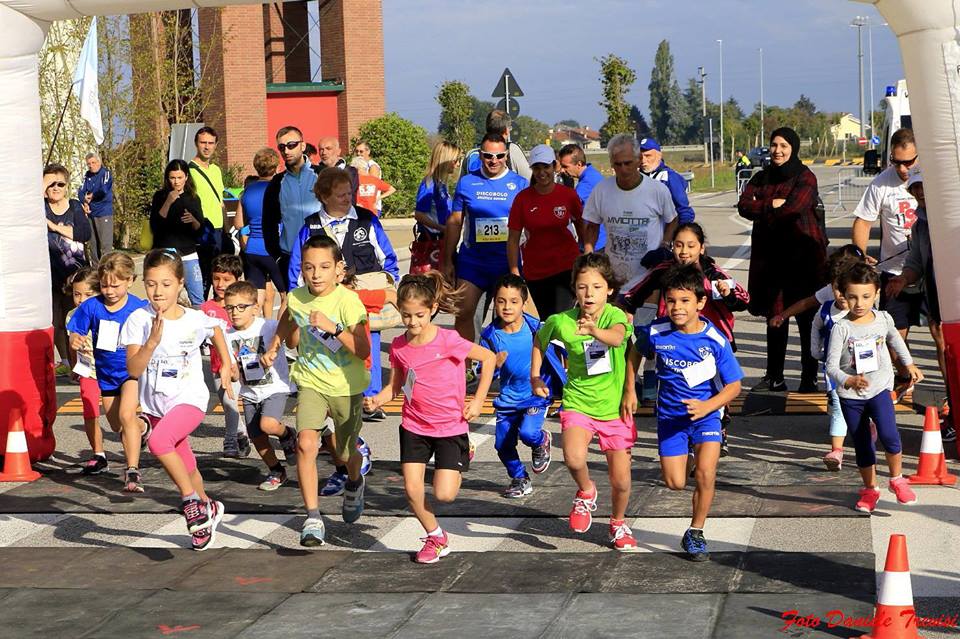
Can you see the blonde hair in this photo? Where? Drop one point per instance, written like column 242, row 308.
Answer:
column 265, row 162
column 430, row 288
column 117, row 264
column 443, row 159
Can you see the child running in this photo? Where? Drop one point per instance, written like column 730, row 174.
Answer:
column 264, row 391
column 163, row 351
column 859, row 363
column 224, row 271
column 595, row 336
column 426, row 365
column 83, row 285
column 102, row 317
column 520, row 413
column 697, row 375
column 329, row 373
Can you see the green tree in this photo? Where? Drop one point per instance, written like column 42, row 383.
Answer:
column 573, row 124
column 529, row 132
column 641, row 128
column 661, row 87
column 479, row 118
column 401, row 148
column 616, row 78
column 456, row 111
column 678, row 117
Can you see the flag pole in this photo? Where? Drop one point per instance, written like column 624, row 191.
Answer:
column 56, row 131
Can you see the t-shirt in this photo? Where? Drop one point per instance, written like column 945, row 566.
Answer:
column 485, row 203
column 434, row 383
column 109, row 351
column 689, row 366
column 865, row 349
column 84, row 357
column 634, row 220
column 211, row 199
column 325, row 365
column 824, row 295
column 515, row 390
column 246, row 347
column 174, row 375
column 551, row 247
column 887, row 198
column 590, row 178
column 252, row 202
column 368, row 192
column 434, row 201
column 212, row 309
column 373, row 302
column 595, row 388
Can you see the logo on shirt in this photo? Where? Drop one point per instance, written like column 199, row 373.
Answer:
column 629, row 221
column 559, row 212
column 360, row 234
column 511, row 186
column 704, row 351
column 665, row 347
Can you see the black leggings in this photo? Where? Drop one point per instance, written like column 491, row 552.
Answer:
column 777, row 349
column 552, row 294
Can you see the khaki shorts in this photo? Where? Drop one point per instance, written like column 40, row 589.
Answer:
column 346, row 412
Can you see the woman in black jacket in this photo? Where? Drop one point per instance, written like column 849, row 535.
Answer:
column 176, row 222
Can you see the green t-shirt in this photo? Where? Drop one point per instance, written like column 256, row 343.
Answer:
column 336, row 373
column 596, row 390
column 210, row 201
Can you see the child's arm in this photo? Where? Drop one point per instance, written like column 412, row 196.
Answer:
column 536, row 362
column 794, row 309
column 138, row 356
column 226, row 362
column 816, row 339
column 285, row 328
column 628, row 404
column 487, row 363
column 895, row 341
column 390, row 390
column 612, row 336
column 698, row 409
column 353, row 338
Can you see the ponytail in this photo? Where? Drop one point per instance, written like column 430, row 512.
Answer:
column 430, row 288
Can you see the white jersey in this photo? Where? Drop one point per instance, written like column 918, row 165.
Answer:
column 887, row 198
column 634, row 220
column 246, row 347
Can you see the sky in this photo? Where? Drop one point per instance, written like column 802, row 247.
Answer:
column 552, row 47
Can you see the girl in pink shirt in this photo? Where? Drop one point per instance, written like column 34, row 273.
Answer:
column 427, row 366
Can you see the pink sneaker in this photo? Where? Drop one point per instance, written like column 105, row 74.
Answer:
column 868, row 500
column 621, row 536
column 583, row 505
column 901, row 488
column 833, row 460
column 433, row 549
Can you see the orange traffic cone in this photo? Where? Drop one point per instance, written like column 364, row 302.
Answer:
column 16, row 461
column 932, row 468
column 894, row 616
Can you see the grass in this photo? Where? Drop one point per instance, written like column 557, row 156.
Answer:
column 724, row 178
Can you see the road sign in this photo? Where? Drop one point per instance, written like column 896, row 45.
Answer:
column 513, row 110
column 875, row 140
column 507, row 86
column 862, row 141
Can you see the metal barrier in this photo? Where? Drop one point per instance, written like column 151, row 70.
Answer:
column 851, row 184
column 744, row 175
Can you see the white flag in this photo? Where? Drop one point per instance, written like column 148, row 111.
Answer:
column 85, row 84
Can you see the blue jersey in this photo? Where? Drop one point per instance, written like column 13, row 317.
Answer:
column 485, row 203
column 515, row 390
column 434, row 201
column 111, row 360
column 689, row 366
column 585, row 183
column 252, row 202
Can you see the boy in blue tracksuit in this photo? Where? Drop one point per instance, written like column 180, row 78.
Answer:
column 520, row 413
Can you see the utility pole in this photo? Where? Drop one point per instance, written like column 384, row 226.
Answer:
column 859, row 23
column 703, row 101
column 762, row 138
column 720, row 42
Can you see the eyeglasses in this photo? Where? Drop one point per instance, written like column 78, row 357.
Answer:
column 289, row 146
column 906, row 163
column 56, row 184
column 237, row 307
column 486, row 155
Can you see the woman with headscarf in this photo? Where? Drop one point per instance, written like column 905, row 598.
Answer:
column 788, row 247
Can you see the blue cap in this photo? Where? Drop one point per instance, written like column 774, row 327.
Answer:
column 649, row 144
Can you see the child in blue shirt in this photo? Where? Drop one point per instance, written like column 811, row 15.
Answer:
column 520, row 413
column 697, row 374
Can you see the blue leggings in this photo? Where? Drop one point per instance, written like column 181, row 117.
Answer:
column 838, row 425
column 858, row 413
column 527, row 423
column 376, row 373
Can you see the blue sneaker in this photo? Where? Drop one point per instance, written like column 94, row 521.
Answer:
column 364, row 449
column 353, row 503
column 312, row 533
column 334, row 486
column 695, row 545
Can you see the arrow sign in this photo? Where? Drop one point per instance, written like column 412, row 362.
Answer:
column 507, row 86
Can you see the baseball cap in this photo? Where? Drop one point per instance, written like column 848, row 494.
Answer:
column 914, row 177
column 649, row 144
column 542, row 154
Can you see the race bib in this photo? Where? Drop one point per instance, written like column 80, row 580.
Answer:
column 408, row 384
column 108, row 335
column 865, row 355
column 700, row 372
column 331, row 343
column 167, row 377
column 251, row 367
column 490, row 229
column 597, row 356
column 84, row 366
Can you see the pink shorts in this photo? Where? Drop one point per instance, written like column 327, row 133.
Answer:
column 614, row 434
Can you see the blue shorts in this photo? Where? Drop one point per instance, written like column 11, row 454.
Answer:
column 675, row 437
column 482, row 272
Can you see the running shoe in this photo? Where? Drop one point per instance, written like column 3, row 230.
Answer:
column 312, row 533
column 541, row 455
column 197, row 515
column 583, row 505
column 948, row 433
column 148, row 429
column 231, row 449
column 833, row 460
column 621, row 537
column 434, row 548
column 132, row 481
column 901, row 488
column 353, row 502
column 374, row 416
column 95, row 465
column 335, row 484
column 288, row 443
column 519, row 487
column 274, row 480
column 768, row 385
column 201, row 539
column 695, row 545
column 807, row 387
column 243, row 446
column 868, row 500
column 364, row 449
column 62, row 370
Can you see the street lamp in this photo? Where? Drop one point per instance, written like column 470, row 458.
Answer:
column 761, row 96
column 720, row 42
column 859, row 22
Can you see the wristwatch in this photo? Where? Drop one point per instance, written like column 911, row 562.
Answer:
column 338, row 329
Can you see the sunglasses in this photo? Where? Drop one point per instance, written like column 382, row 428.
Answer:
column 289, row 146
column 486, row 155
column 56, row 184
column 237, row 307
column 904, row 162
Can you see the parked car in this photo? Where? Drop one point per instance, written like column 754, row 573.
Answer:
column 759, row 156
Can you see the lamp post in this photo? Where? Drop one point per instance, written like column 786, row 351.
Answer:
column 720, row 42
column 761, row 96
column 859, row 22
column 703, row 102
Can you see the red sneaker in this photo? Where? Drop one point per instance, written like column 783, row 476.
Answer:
column 583, row 505
column 901, row 488
column 433, row 549
column 868, row 500
column 621, row 536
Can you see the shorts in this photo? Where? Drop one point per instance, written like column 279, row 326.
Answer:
column 272, row 406
column 260, row 268
column 905, row 308
column 449, row 453
column 115, row 392
column 90, row 398
column 346, row 412
column 674, row 438
column 614, row 434
column 482, row 273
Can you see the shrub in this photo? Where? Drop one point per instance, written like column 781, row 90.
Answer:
column 401, row 149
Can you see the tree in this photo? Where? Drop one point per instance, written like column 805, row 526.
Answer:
column 616, row 78
column 678, row 117
column 573, row 124
column 401, row 148
column 481, row 108
column 693, row 104
column 529, row 132
column 661, row 89
column 640, row 126
column 456, row 110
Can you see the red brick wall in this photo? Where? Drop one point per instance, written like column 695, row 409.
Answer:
column 287, row 41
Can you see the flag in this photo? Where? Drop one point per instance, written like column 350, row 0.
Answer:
column 86, row 86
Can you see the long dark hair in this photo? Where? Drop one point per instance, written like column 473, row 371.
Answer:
column 179, row 165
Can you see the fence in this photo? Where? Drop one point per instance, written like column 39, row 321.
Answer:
column 851, row 184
